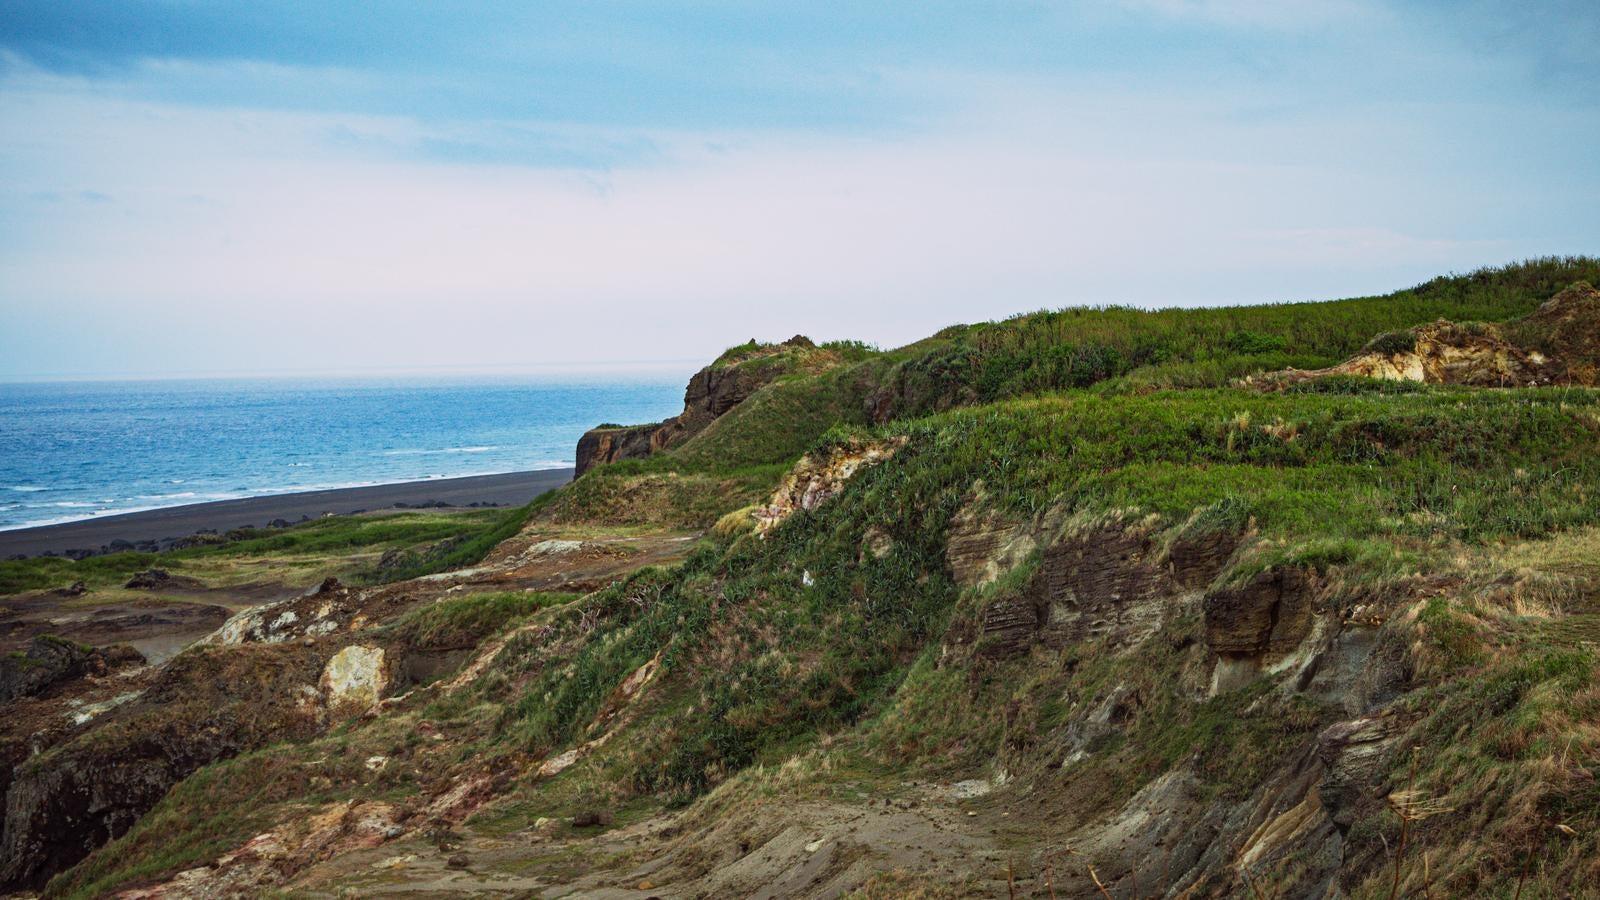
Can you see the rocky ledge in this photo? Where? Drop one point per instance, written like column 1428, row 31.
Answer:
column 711, row 392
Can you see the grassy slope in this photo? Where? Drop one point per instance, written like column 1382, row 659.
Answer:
column 1112, row 350
column 465, row 536
column 766, row 645
column 1187, row 348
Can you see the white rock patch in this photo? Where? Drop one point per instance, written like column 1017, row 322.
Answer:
column 355, row 675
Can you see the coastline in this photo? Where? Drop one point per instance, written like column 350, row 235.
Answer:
column 164, row 525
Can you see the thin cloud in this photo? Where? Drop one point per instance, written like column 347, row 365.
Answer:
column 1276, row 14
column 254, row 219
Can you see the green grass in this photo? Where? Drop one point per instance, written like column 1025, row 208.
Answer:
column 1364, row 481
column 1185, row 348
column 1467, row 464
column 1506, row 748
column 652, row 493
column 768, row 646
column 778, row 423
column 464, row 621
column 1112, row 350
column 474, row 533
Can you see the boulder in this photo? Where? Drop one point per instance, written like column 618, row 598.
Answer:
column 355, row 677
column 47, row 660
column 50, row 660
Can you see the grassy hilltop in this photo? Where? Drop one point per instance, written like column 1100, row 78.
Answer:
column 1062, row 597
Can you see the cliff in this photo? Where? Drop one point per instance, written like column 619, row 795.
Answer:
column 711, row 392
column 1066, row 605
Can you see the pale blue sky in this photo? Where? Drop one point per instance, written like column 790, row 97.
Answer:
column 204, row 187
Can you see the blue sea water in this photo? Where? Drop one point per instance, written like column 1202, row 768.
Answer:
column 73, row 450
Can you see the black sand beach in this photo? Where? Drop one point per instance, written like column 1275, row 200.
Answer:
column 511, row 489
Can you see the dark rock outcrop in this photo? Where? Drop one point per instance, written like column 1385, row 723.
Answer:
column 1111, row 582
column 711, row 392
column 1095, row 584
column 47, row 661
column 150, row 579
column 50, row 660
column 208, row 704
column 1268, row 615
column 599, row 446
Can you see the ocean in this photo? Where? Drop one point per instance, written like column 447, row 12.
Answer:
column 74, row 450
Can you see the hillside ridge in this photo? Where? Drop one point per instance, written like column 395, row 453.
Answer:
column 1212, row 602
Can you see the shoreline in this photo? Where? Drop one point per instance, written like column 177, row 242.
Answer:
column 160, row 527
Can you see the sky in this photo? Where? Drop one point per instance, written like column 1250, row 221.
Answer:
column 204, row 188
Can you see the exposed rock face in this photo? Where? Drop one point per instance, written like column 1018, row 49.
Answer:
column 711, row 392
column 1114, row 587
column 1353, row 753
column 355, row 677
column 319, row 611
column 1269, row 614
column 1567, row 328
column 1106, row 582
column 982, row 544
column 49, row 660
column 1444, row 353
column 1558, row 344
column 1103, row 583
column 207, row 704
column 815, row 479
column 599, row 446
column 1261, row 621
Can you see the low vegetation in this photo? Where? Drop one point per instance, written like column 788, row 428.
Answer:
column 469, row 534
column 839, row 657
column 463, row 622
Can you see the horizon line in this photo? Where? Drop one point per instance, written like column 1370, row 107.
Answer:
column 599, row 367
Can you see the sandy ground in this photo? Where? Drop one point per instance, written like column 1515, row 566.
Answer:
column 513, row 489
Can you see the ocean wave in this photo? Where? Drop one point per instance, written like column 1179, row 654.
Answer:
column 417, row 451
column 184, row 498
column 80, row 517
column 26, row 488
